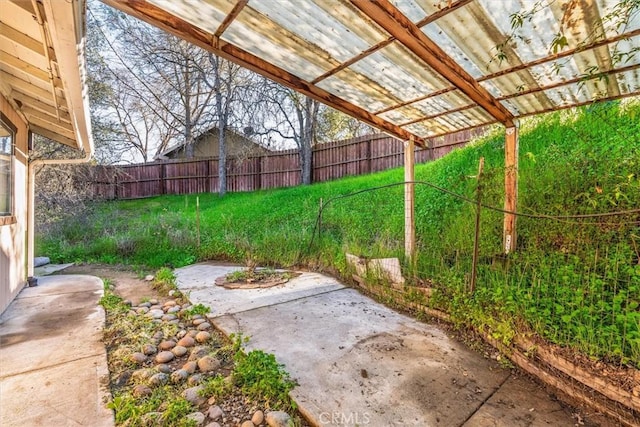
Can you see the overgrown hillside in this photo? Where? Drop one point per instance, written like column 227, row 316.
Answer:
column 574, row 280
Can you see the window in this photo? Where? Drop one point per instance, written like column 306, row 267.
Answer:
column 6, row 170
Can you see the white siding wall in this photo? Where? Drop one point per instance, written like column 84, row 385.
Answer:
column 13, row 237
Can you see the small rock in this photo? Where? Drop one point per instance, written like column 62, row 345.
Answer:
column 203, row 336
column 187, row 341
column 190, row 367
column 158, row 379
column 179, row 376
column 164, row 357
column 198, row 417
column 213, row 424
column 149, row 277
column 169, row 303
column 123, row 378
column 142, row 374
column 212, row 400
column 138, row 357
column 174, row 322
column 142, row 310
column 181, row 333
column 192, row 333
column 197, row 353
column 258, row 417
column 204, row 326
column 145, row 304
column 192, row 395
column 278, row 419
column 194, row 379
column 142, row 390
column 247, row 424
column 172, row 292
column 169, row 317
column 127, row 302
column 208, row 364
column 167, row 345
column 164, row 368
column 215, row 412
column 636, row 391
column 158, row 336
column 155, row 313
column 198, row 321
column 153, row 301
column 179, row 350
column 173, row 309
column 149, row 349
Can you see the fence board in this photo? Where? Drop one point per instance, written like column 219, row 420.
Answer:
column 356, row 156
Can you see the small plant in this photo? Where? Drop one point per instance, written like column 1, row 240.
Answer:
column 217, row 386
column 195, row 310
column 175, row 412
column 260, row 376
column 165, row 281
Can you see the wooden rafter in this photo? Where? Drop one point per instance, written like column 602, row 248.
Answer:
column 28, row 88
column 24, row 40
column 25, row 67
column 229, row 18
column 439, row 14
column 520, row 67
column 45, row 107
column 178, row 27
column 407, row 33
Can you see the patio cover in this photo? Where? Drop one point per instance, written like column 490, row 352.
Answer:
column 421, row 68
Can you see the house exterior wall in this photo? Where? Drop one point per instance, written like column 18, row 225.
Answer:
column 208, row 146
column 13, row 236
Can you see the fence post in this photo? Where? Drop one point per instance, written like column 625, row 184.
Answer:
column 257, row 182
column 476, row 239
column 163, row 172
column 369, row 156
column 510, row 188
column 409, row 201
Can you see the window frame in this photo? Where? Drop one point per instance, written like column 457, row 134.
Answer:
column 10, row 218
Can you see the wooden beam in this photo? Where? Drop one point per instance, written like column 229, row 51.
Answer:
column 47, row 133
column 452, row 6
column 25, row 67
column 160, row 18
column 28, row 88
column 409, row 201
column 406, row 32
column 24, row 40
column 65, row 120
column 59, row 128
column 230, row 18
column 510, row 188
column 44, row 106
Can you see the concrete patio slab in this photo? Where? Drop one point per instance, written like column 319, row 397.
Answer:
column 53, row 365
column 47, row 269
column 507, row 408
column 358, row 362
column 199, row 282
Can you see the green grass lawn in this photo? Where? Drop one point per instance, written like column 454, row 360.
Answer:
column 574, row 282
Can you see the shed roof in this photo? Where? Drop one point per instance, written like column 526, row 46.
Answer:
column 42, row 67
column 421, row 68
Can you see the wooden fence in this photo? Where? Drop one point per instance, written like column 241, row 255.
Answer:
column 357, row 156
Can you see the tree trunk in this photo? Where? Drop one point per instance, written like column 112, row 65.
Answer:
column 188, row 143
column 308, row 128
column 222, row 113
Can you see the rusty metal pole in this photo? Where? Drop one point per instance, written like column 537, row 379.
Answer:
column 476, row 240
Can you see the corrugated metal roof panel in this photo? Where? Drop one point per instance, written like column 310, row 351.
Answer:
column 446, row 54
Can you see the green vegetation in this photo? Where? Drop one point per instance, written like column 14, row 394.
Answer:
column 575, row 282
column 255, row 376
